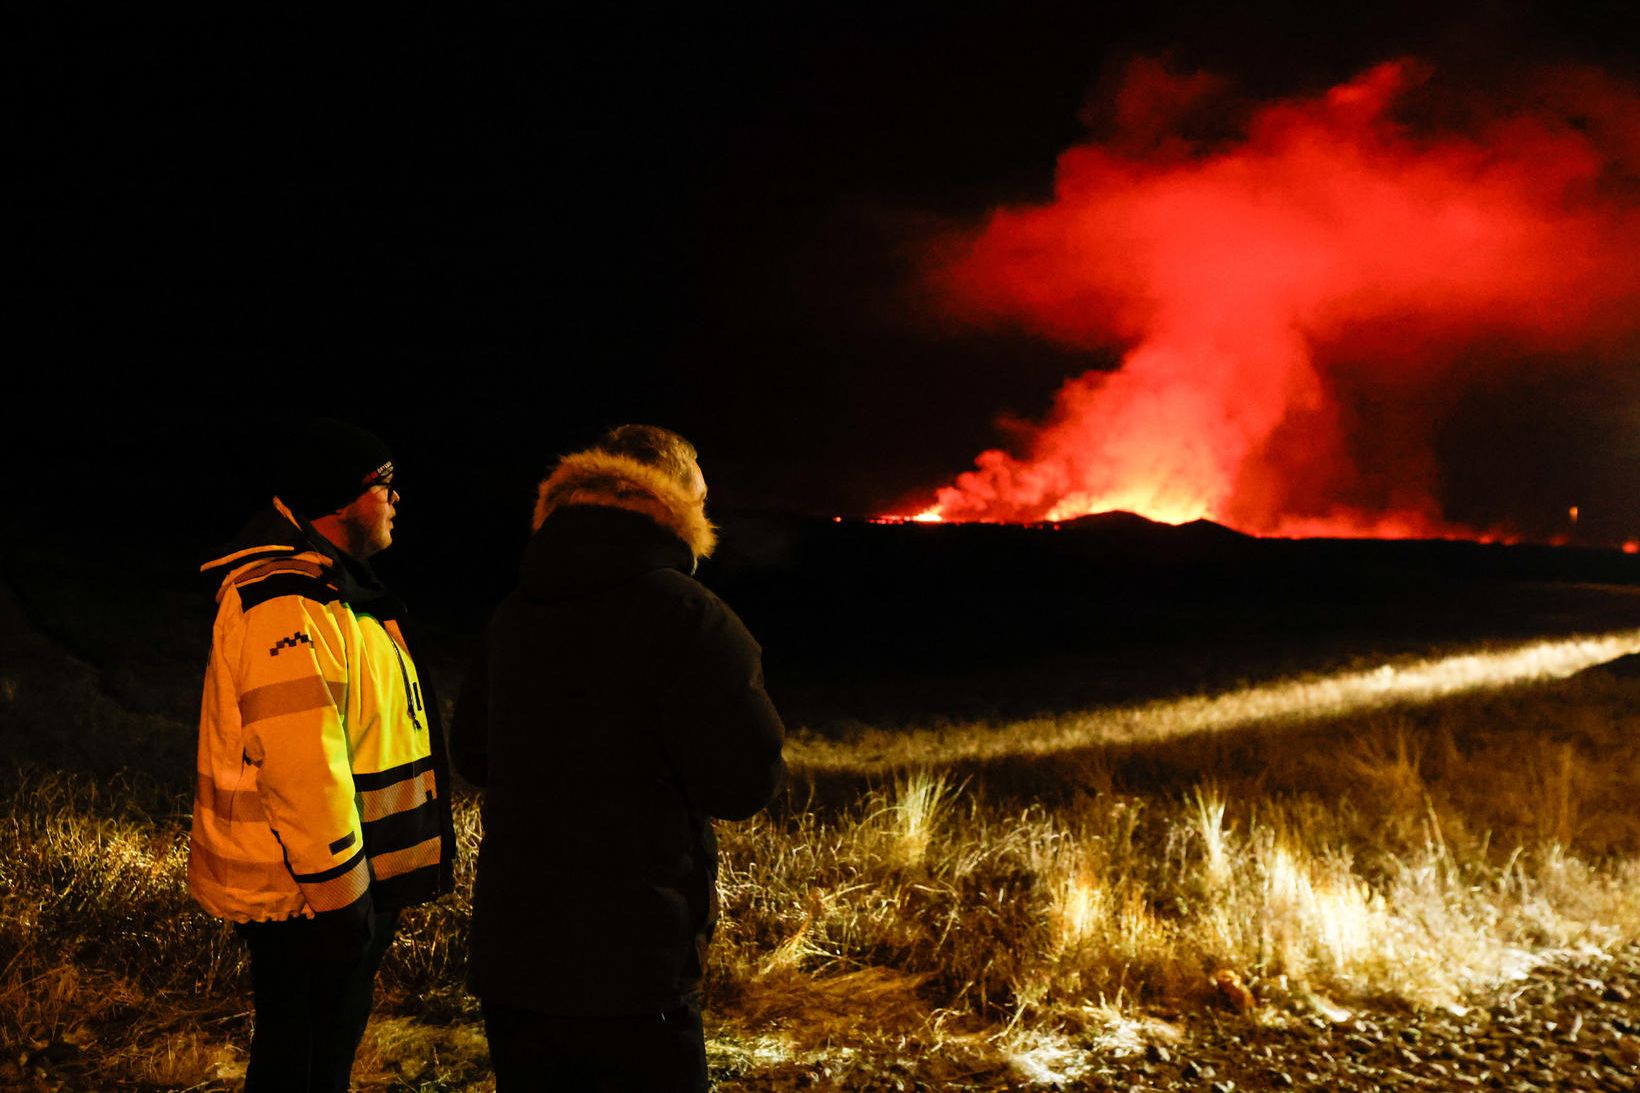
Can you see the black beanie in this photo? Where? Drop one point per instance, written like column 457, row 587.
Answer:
column 332, row 463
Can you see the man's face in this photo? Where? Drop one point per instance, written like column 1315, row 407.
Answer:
column 697, row 482
column 368, row 521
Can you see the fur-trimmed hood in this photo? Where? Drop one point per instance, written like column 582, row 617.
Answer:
column 595, row 477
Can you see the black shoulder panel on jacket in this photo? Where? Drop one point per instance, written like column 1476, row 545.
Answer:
column 685, row 590
column 275, row 585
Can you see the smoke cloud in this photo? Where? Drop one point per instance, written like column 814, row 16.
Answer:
column 1301, row 307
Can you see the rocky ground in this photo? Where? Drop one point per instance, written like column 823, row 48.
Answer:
column 1564, row 1027
column 1561, row 1028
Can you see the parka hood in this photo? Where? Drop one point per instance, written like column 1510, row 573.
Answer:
column 596, row 478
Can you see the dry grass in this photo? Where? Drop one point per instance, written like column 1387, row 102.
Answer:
column 974, row 905
column 1048, row 900
column 107, row 968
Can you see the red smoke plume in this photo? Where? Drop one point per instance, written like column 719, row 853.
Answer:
column 1284, row 301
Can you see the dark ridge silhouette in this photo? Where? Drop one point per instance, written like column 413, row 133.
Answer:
column 1623, row 667
column 926, row 620
column 895, row 623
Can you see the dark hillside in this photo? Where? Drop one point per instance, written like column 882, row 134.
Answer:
column 899, row 623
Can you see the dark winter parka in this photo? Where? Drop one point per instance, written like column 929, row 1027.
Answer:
column 616, row 707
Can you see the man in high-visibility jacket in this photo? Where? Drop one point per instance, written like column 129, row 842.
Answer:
column 322, row 803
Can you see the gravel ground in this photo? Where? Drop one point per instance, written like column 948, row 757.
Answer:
column 1561, row 1028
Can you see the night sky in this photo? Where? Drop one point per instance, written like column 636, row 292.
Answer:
column 489, row 240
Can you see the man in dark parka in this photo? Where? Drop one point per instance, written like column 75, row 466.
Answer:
column 615, row 708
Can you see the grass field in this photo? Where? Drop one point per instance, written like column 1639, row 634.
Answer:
column 981, row 906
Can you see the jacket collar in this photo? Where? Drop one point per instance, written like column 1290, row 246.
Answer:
column 275, row 532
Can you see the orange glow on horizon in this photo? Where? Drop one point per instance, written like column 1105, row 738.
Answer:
column 1287, row 305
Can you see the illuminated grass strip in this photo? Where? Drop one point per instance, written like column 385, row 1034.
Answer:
column 1307, row 697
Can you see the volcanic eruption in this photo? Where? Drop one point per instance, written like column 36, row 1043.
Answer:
column 1296, row 306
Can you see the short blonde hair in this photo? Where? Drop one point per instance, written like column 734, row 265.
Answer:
column 653, row 446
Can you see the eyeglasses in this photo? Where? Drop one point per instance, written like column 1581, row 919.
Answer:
column 387, row 485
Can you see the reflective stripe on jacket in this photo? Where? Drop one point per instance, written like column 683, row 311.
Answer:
column 316, row 787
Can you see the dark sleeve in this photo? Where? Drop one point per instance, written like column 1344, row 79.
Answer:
column 723, row 732
column 470, row 724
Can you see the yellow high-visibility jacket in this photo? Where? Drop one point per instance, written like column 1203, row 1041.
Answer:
column 319, row 774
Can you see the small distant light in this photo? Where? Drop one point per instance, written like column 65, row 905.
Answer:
column 837, row 519
column 1632, row 547
column 1572, row 512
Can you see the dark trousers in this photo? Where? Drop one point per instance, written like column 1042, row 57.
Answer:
column 645, row 1053
column 311, row 1009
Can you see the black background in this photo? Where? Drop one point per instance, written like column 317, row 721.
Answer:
column 489, row 238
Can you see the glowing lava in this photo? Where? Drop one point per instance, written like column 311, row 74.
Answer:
column 1295, row 308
